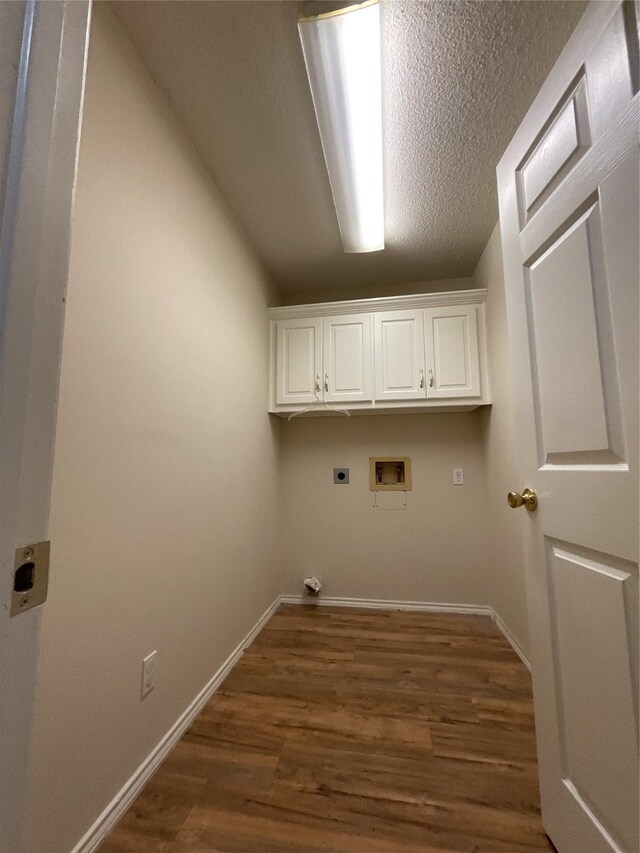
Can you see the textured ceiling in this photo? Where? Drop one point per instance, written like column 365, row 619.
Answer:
column 458, row 78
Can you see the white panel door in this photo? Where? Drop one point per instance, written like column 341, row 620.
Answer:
column 399, row 355
column 568, row 187
column 451, row 346
column 348, row 361
column 298, row 361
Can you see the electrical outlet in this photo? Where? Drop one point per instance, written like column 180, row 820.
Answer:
column 148, row 674
column 458, row 477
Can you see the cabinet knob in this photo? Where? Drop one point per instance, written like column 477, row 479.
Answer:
column 430, row 378
column 421, row 378
column 317, row 383
column 326, row 382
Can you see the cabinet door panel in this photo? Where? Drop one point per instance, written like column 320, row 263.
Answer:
column 298, row 360
column 451, row 338
column 399, row 354
column 347, row 358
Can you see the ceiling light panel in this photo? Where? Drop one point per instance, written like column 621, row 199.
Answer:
column 343, row 58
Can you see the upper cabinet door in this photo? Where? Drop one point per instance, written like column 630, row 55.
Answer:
column 451, row 338
column 298, row 360
column 348, row 362
column 399, row 354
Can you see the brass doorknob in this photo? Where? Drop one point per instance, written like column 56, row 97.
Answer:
column 528, row 498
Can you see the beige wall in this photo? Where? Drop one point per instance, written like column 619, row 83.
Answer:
column 165, row 496
column 432, row 551
column 498, row 430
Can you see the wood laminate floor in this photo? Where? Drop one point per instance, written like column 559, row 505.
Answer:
column 354, row 730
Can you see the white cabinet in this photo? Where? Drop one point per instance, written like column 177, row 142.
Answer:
column 324, row 359
column 298, row 360
column 399, row 354
column 451, row 349
column 347, row 359
column 404, row 354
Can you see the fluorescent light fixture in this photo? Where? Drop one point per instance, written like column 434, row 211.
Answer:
column 343, row 58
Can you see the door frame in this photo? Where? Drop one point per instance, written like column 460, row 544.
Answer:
column 35, row 231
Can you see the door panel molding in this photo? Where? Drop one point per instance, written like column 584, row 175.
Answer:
column 595, row 680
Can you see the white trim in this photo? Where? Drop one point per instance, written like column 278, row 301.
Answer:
column 385, row 303
column 14, row 159
column 34, row 244
column 130, row 790
column 419, row 606
column 384, row 604
column 387, row 407
column 515, row 645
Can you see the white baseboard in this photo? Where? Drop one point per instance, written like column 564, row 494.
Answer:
column 130, row 790
column 420, row 606
column 515, row 645
column 384, row 604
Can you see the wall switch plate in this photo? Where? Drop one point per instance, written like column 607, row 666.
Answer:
column 341, row 476
column 148, row 674
column 458, row 477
